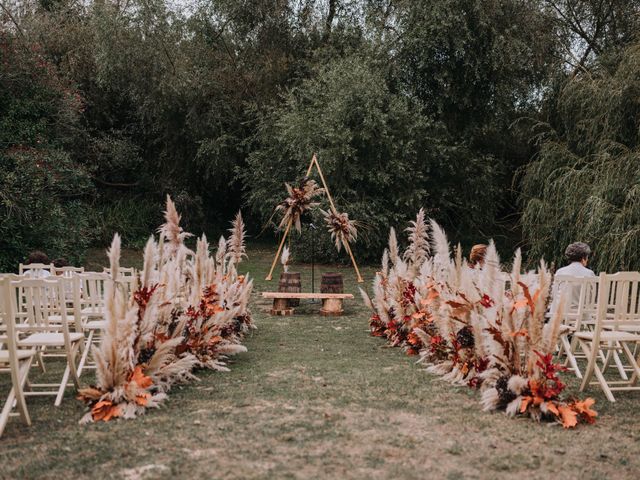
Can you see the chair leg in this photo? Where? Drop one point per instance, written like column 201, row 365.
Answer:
column 6, row 410
column 619, row 365
column 40, row 361
column 633, row 363
column 16, row 396
column 604, row 385
column 571, row 359
column 85, row 352
column 63, row 386
column 70, row 370
column 21, row 402
column 588, row 373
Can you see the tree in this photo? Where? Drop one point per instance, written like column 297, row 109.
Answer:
column 383, row 157
column 584, row 184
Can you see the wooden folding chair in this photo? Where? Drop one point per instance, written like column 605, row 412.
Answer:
column 35, row 270
column 579, row 313
column 13, row 360
column 125, row 272
column 45, row 301
column 615, row 336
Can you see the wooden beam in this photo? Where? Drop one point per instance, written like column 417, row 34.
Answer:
column 353, row 260
column 335, row 212
column 305, row 295
column 275, row 259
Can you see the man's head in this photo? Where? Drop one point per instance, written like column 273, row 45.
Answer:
column 578, row 252
column 60, row 263
column 478, row 252
column 38, row 257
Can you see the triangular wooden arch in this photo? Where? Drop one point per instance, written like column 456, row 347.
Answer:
column 314, row 162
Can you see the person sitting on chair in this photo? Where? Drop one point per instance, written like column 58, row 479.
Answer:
column 60, row 263
column 41, row 258
column 476, row 257
column 578, row 256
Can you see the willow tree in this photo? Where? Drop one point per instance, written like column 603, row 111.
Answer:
column 585, row 182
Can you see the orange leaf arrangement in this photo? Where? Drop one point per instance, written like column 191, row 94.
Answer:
column 189, row 311
column 471, row 329
column 541, row 398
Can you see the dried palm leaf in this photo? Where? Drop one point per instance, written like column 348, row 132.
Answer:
column 343, row 230
column 299, row 201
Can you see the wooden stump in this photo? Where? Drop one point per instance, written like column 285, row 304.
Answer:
column 290, row 282
column 331, row 307
column 281, row 307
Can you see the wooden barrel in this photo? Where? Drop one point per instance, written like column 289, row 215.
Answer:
column 332, row 283
column 290, row 282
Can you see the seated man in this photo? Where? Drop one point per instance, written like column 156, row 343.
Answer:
column 578, row 256
column 37, row 257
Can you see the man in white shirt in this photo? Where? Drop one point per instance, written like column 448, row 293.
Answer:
column 41, row 264
column 578, row 256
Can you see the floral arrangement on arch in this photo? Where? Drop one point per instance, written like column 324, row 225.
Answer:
column 476, row 327
column 188, row 311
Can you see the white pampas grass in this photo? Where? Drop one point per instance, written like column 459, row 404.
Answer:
column 236, row 244
column 144, row 350
column 285, row 258
column 441, row 252
column 393, row 247
column 418, row 249
column 366, row 299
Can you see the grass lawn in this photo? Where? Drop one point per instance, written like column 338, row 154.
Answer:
column 318, row 397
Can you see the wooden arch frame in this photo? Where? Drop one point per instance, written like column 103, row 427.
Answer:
column 314, row 162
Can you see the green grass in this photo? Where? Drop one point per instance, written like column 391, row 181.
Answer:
column 318, row 397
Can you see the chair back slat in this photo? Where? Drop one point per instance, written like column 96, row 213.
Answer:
column 66, row 271
column 619, row 308
column 35, row 270
column 581, row 294
column 42, row 299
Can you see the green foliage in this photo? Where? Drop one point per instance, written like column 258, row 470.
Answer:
column 585, row 183
column 383, row 159
column 408, row 104
column 42, row 190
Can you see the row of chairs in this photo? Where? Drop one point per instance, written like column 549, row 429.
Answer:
column 601, row 329
column 42, row 316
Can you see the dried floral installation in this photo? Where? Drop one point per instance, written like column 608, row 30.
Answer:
column 300, row 200
column 189, row 310
column 343, row 230
column 477, row 327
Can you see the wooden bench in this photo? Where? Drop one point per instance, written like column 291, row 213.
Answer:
column 331, row 302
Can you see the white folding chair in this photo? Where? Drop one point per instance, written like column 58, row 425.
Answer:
column 35, row 270
column 579, row 312
column 66, row 271
column 126, row 272
column 45, row 300
column 13, row 360
column 615, row 335
column 92, row 288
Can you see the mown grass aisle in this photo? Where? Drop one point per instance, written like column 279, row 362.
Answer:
column 317, row 397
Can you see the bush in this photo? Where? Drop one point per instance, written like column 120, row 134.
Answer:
column 42, row 190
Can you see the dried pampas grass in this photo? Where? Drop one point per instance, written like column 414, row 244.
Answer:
column 188, row 311
column 479, row 327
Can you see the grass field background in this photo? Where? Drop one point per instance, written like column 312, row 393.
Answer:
column 317, row 397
